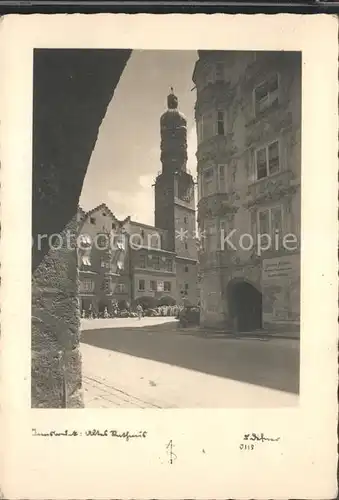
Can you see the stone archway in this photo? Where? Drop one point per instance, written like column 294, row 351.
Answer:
column 244, row 305
column 72, row 89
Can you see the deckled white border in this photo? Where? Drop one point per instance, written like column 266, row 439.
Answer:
column 303, row 465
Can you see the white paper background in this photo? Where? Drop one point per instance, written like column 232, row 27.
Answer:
column 303, row 463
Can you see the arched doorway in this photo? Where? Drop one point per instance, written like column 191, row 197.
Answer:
column 245, row 306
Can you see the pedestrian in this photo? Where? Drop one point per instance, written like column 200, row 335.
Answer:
column 139, row 311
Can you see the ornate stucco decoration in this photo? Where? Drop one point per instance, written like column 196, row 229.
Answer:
column 214, row 95
column 219, row 204
column 270, row 123
column 218, row 146
column 272, row 189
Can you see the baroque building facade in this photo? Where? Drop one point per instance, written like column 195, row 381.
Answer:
column 248, row 119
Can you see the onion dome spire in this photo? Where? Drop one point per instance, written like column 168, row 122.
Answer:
column 172, row 100
column 173, row 130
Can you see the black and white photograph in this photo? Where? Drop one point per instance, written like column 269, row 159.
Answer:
column 181, row 202
column 169, row 256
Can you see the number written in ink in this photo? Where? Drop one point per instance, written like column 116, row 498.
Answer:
column 246, row 447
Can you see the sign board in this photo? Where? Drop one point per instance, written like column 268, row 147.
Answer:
column 280, row 268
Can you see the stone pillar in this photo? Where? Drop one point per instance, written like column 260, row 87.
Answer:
column 56, row 363
column 72, row 89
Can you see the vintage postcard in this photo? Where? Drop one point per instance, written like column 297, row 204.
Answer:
column 169, row 256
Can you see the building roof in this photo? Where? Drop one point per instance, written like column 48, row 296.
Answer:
column 103, row 206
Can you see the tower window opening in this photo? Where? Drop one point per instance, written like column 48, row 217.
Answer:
column 221, row 178
column 219, row 72
column 221, row 123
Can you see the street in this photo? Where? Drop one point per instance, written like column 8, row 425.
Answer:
column 152, row 364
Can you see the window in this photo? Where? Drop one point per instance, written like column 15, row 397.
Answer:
column 207, row 126
column 185, row 220
column 154, row 240
column 88, row 285
column 221, row 178
column 119, row 241
column 186, row 286
column 267, row 160
column 104, row 214
column 169, row 265
column 167, row 286
column 186, row 246
column 210, row 75
column 276, row 220
column 219, row 72
column 270, row 221
column 92, row 220
column 113, row 225
column 142, row 261
column 207, row 181
column 156, row 262
column 106, row 285
column 199, row 129
column 221, row 123
column 102, row 241
column 211, row 237
column 222, row 234
column 105, row 263
column 141, row 285
column 266, row 95
column 153, row 286
column 120, row 288
column 186, row 269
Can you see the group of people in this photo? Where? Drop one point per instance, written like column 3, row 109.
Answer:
column 159, row 311
column 139, row 312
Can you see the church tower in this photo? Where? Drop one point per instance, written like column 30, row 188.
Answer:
column 175, row 200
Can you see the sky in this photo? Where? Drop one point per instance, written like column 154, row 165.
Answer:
column 126, row 157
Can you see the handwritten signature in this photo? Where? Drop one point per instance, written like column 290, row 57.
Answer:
column 126, row 435
column 258, row 437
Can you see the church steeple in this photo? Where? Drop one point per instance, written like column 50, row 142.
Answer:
column 173, row 130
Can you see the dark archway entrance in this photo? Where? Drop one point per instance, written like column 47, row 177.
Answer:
column 245, row 306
